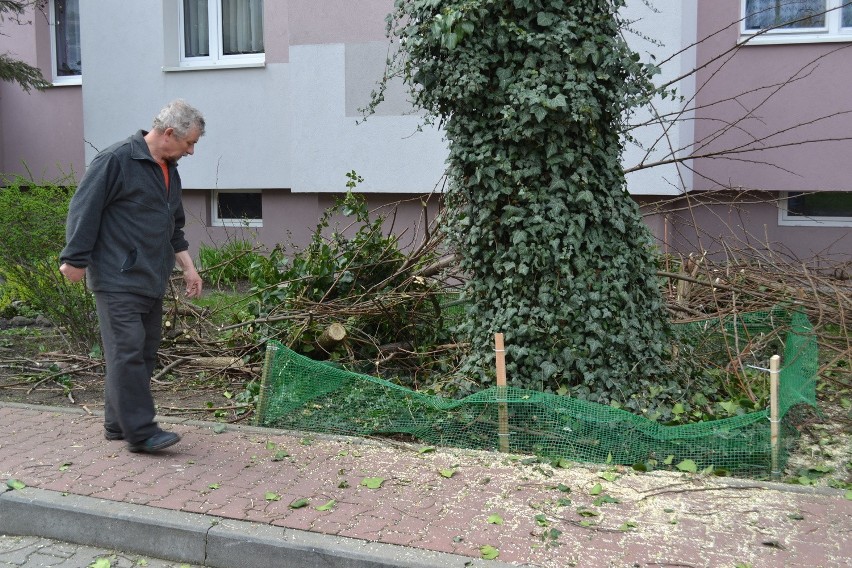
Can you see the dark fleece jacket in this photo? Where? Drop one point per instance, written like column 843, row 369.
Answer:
column 123, row 227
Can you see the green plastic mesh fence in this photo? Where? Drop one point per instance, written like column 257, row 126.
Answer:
column 302, row 394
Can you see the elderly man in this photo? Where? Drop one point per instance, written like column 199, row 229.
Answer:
column 125, row 234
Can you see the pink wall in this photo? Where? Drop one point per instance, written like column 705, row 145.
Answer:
column 337, row 21
column 736, row 109
column 42, row 132
column 276, row 31
column 725, row 222
column 291, row 218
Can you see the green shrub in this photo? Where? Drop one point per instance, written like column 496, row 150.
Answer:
column 33, row 217
column 228, row 264
column 357, row 278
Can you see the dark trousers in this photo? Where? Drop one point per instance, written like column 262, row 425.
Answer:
column 131, row 329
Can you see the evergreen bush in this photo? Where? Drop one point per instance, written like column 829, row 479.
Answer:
column 533, row 96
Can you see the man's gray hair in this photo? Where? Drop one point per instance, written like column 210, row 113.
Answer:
column 181, row 117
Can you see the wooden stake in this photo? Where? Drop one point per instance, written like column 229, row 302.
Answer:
column 502, row 408
column 774, row 364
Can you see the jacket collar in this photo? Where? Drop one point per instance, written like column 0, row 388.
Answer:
column 139, row 148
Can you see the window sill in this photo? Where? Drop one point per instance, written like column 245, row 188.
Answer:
column 254, row 65
column 241, row 223
column 68, row 82
column 785, row 221
column 788, row 39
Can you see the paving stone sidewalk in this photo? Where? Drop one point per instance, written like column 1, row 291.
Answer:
column 442, row 501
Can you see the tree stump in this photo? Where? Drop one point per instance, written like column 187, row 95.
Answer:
column 331, row 337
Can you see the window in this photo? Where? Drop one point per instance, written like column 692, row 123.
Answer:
column 216, row 32
column 237, row 209
column 818, row 209
column 791, row 21
column 65, row 41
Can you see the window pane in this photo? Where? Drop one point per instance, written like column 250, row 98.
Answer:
column 762, row 14
column 239, row 206
column 847, row 16
column 196, row 28
column 821, row 204
column 242, row 26
column 68, row 60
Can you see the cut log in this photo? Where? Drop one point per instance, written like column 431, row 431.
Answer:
column 216, row 362
column 331, row 337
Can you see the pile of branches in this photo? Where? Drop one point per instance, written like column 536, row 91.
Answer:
column 695, row 288
column 420, row 292
column 753, row 279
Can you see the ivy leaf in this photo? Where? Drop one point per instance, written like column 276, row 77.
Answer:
column 272, row 496
column 603, row 499
column 299, row 503
column 848, row 494
column 448, row 473
column 372, row 482
column 669, row 459
column 628, row 526
column 596, row 490
column 687, row 465
column 608, row 475
column 583, row 512
column 280, row 455
column 495, row 520
column 64, row 466
column 327, row 507
column 101, row 563
column 270, row 445
column 15, row 484
column 488, row 552
column 426, row 450
column 214, row 486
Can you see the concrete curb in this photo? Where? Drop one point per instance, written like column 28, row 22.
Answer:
column 200, row 539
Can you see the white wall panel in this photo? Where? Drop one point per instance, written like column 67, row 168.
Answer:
column 388, row 152
column 671, row 26
column 124, row 86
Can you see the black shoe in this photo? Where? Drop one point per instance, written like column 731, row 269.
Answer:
column 155, row 443
column 113, row 434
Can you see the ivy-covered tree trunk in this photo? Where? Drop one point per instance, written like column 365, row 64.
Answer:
column 532, row 95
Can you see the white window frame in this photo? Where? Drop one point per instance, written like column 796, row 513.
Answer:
column 831, row 32
column 216, row 59
column 787, row 220
column 57, row 79
column 217, row 221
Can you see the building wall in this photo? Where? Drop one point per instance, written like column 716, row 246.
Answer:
column 41, row 133
column 293, row 128
column 771, row 98
column 666, row 31
column 728, row 225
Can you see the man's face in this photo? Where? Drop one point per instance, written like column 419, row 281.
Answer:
column 177, row 147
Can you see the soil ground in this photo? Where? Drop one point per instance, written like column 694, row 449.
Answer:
column 32, row 361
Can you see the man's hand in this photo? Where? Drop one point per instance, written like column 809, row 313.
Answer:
column 193, row 284
column 72, row 273
column 191, row 277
